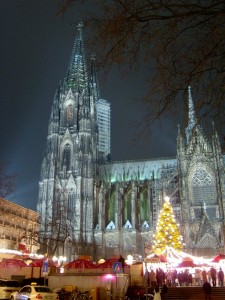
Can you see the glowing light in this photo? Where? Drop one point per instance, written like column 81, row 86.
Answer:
column 9, row 251
column 129, row 260
column 109, row 276
column 60, row 261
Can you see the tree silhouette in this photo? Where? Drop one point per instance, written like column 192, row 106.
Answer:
column 180, row 43
column 7, row 182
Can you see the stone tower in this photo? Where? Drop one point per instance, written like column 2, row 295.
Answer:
column 66, row 189
column 202, row 197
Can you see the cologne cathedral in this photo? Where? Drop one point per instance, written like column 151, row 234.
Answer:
column 90, row 205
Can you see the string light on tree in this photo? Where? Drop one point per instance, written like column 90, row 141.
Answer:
column 167, row 230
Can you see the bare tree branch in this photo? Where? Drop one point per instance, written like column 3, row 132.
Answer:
column 7, row 182
column 182, row 40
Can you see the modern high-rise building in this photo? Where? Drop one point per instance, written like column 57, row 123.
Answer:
column 104, row 121
column 93, row 206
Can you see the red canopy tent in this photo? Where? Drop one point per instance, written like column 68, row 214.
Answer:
column 156, row 258
column 80, row 264
column 36, row 263
column 39, row 263
column 12, row 263
column 218, row 257
column 187, row 264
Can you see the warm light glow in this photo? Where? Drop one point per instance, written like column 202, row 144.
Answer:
column 129, row 260
column 61, row 270
column 60, row 261
column 167, row 230
column 109, row 276
column 175, row 257
column 9, row 251
column 101, row 261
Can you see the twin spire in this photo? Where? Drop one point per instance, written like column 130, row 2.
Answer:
column 192, row 121
column 77, row 77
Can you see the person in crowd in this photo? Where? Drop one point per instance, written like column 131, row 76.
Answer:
column 185, row 278
column 220, row 277
column 180, row 277
column 152, row 278
column 190, row 279
column 209, row 276
column 198, row 277
column 160, row 276
column 169, row 277
column 157, row 295
column 207, row 290
column 204, row 276
column 213, row 275
column 175, row 278
column 122, row 261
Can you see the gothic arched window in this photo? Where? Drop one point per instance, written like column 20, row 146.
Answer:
column 71, row 204
column 111, row 209
column 67, row 156
column 202, row 187
column 69, row 114
column 127, row 208
column 57, row 205
column 144, row 208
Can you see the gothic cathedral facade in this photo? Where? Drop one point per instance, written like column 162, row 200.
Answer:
column 90, row 205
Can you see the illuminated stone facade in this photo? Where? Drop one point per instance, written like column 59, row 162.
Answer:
column 19, row 227
column 131, row 195
column 92, row 206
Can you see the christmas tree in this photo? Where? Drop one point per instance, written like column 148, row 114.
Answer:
column 167, row 230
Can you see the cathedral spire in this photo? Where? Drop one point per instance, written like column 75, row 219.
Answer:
column 94, row 78
column 192, row 122
column 77, row 78
column 94, row 87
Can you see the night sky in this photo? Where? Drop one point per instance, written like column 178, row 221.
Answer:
column 35, row 51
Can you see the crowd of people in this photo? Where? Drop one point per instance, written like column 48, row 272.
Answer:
column 160, row 280
column 174, row 278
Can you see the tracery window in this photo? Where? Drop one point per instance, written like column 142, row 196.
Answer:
column 127, row 208
column 111, row 210
column 144, row 211
column 71, row 204
column 67, row 156
column 202, row 187
column 69, row 114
